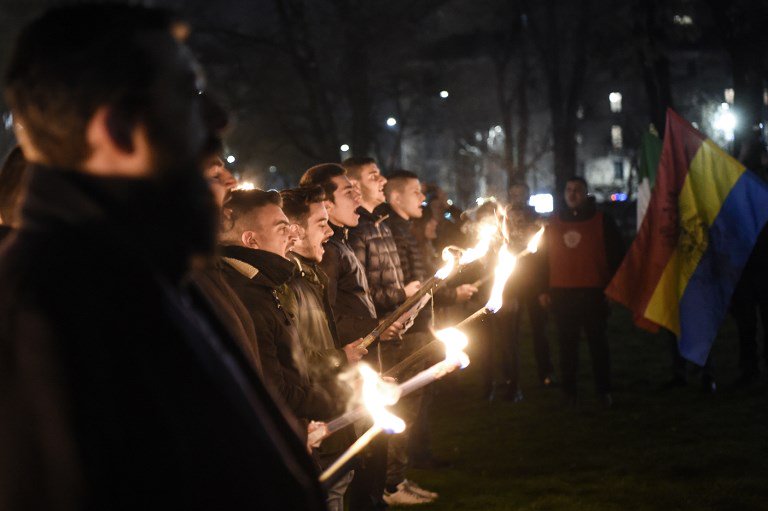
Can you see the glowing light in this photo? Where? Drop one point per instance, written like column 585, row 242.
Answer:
column 344, row 148
column 486, row 234
column 245, row 185
column 450, row 262
column 391, row 121
column 504, row 268
column 377, row 395
column 455, row 342
column 533, row 245
column 725, row 121
column 618, row 197
column 444, row 94
column 231, row 159
column 542, row 202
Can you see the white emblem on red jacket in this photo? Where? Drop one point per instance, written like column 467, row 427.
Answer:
column 572, row 239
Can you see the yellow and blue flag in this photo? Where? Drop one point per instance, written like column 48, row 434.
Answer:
column 703, row 220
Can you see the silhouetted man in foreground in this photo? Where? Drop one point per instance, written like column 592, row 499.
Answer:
column 118, row 388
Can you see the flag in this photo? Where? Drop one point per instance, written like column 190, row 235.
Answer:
column 703, row 219
column 650, row 152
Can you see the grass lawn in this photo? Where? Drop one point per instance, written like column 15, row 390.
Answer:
column 655, row 449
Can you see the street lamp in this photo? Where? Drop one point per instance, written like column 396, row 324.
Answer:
column 344, row 148
column 231, row 159
column 391, row 122
column 444, row 94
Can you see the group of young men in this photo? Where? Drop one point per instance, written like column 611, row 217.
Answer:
column 169, row 341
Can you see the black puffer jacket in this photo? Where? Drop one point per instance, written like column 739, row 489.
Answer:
column 375, row 247
column 411, row 259
column 260, row 279
column 348, row 292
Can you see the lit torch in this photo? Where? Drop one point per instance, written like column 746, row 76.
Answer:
column 245, row 185
column 377, row 395
column 413, row 304
column 504, row 268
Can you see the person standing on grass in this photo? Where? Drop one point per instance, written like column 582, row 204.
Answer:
column 583, row 249
column 520, row 296
column 354, row 311
column 377, row 250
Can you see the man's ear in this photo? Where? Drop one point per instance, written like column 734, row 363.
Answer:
column 248, row 239
column 117, row 147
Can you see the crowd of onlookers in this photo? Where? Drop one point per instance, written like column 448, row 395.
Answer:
column 170, row 340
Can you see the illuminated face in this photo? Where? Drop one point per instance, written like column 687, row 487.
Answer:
column 220, row 179
column 372, row 184
column 314, row 234
column 346, row 199
column 270, row 231
column 575, row 194
column 409, row 198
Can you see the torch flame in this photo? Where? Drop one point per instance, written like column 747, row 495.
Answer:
column 533, row 245
column 487, row 232
column 504, row 267
column 455, row 341
column 245, row 185
column 377, row 395
column 450, row 262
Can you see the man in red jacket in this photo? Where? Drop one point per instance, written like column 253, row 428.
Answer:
column 583, row 249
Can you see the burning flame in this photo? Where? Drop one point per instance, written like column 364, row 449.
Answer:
column 487, row 232
column 455, row 341
column 450, row 262
column 245, row 185
column 533, row 245
column 377, row 395
column 504, row 268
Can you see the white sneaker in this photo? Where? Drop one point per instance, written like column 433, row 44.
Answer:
column 418, row 490
column 404, row 497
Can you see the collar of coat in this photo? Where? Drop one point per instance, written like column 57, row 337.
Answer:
column 374, row 217
column 259, row 265
column 128, row 215
column 339, row 232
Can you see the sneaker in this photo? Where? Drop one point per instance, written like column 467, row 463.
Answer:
column 404, row 497
column 415, row 488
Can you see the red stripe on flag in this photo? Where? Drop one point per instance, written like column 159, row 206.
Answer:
column 639, row 273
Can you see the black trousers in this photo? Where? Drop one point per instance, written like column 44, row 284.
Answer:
column 577, row 311
column 510, row 331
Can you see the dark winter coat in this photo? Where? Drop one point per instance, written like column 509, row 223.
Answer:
column 261, row 279
column 317, row 334
column 411, row 259
column 375, row 247
column 228, row 307
column 348, row 293
column 118, row 387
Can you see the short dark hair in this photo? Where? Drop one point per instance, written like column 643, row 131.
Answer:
column 75, row 58
column 578, row 179
column 240, row 203
column 322, row 175
column 515, row 183
column 296, row 202
column 11, row 179
column 397, row 179
column 354, row 164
